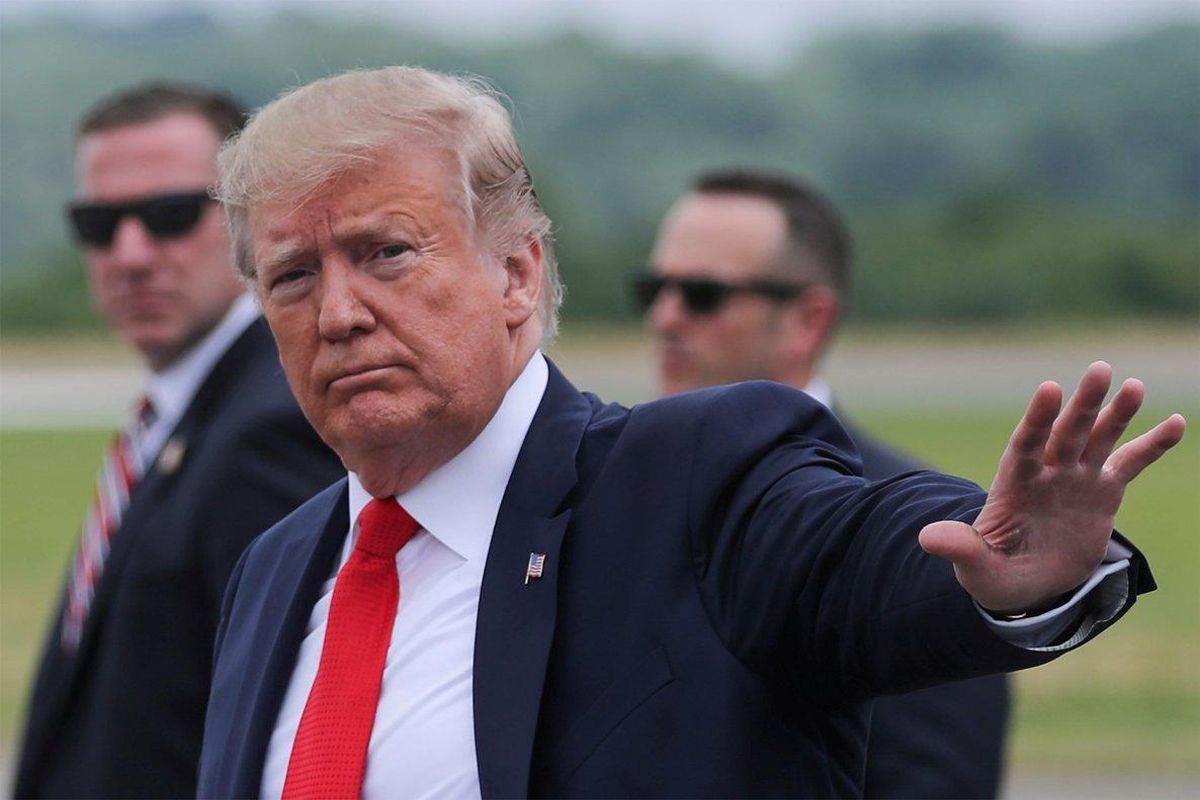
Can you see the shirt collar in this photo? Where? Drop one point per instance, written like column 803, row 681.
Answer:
column 459, row 501
column 820, row 391
column 172, row 390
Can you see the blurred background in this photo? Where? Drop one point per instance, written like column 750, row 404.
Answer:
column 1022, row 180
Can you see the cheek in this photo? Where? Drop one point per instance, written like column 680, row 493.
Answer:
column 297, row 368
column 738, row 329
column 712, row 335
column 204, row 261
column 722, row 346
column 296, row 358
column 214, row 231
column 295, row 352
column 100, row 276
column 462, row 320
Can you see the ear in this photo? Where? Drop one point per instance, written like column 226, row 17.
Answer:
column 525, row 269
column 810, row 320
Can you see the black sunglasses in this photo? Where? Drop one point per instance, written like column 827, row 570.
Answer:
column 166, row 216
column 706, row 295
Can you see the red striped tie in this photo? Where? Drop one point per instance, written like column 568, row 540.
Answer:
column 329, row 756
column 120, row 473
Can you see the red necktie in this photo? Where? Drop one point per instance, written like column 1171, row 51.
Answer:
column 329, row 756
column 122, row 470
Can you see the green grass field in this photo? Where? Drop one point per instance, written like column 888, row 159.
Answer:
column 1131, row 700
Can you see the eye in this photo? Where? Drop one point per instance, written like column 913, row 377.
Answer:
column 291, row 276
column 289, row 284
column 392, row 251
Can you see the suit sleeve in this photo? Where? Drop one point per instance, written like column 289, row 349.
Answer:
column 809, row 569
column 947, row 741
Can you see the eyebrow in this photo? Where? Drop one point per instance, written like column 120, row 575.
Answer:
column 284, row 254
column 378, row 227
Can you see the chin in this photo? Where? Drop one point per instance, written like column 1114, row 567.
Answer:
column 366, row 425
column 157, row 348
column 379, row 483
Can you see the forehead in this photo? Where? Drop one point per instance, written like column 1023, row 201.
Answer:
column 173, row 153
column 724, row 236
column 419, row 186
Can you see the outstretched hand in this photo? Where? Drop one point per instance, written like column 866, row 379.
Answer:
column 1050, row 511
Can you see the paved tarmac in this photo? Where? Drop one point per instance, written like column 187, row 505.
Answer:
column 932, row 370
column 1048, row 786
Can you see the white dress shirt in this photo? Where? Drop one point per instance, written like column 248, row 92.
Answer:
column 172, row 390
column 423, row 741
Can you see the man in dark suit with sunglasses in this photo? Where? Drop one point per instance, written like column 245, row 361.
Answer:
column 748, row 280
column 218, row 451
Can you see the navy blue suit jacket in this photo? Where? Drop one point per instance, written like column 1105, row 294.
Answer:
column 123, row 716
column 947, row 741
column 721, row 595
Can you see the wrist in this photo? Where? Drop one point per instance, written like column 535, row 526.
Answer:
column 1036, row 611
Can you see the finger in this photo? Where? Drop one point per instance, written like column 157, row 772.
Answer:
column 1114, row 418
column 1027, row 444
column 1072, row 428
column 957, row 542
column 1134, row 456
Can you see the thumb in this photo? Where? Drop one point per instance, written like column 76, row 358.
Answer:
column 954, row 541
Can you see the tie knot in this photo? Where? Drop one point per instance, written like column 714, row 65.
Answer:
column 144, row 414
column 144, row 407
column 384, row 527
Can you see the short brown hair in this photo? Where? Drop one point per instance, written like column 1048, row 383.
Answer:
column 148, row 102
column 814, row 226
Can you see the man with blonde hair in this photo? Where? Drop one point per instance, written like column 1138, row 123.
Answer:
column 519, row 590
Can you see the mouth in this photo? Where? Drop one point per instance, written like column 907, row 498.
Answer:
column 146, row 300
column 358, row 378
column 672, row 358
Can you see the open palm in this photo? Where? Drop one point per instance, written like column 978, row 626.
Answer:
column 1051, row 508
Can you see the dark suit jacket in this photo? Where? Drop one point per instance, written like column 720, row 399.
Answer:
column 721, row 594
column 123, row 717
column 947, row 741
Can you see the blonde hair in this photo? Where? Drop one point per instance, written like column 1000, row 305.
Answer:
column 310, row 136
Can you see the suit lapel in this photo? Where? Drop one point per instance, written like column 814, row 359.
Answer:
column 129, row 531
column 281, row 625
column 516, row 618
column 167, row 468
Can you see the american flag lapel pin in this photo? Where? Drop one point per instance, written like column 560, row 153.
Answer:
column 537, row 563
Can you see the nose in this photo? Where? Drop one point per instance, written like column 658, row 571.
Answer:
column 133, row 247
column 342, row 312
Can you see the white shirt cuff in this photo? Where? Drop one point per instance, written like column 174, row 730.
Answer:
column 1095, row 602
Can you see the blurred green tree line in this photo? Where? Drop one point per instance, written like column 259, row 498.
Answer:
column 984, row 176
